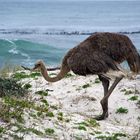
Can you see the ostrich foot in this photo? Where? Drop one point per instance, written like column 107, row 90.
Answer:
column 101, row 117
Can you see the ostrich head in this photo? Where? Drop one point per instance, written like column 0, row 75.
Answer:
column 38, row 65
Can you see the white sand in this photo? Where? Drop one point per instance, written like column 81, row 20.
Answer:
column 79, row 104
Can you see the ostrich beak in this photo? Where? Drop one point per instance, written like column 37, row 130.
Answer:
column 36, row 67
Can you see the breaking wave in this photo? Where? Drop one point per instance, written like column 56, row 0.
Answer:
column 23, row 52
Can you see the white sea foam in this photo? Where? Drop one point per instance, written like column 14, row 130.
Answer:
column 13, row 51
column 11, row 42
column 28, row 58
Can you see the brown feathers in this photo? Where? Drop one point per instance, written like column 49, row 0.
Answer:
column 101, row 52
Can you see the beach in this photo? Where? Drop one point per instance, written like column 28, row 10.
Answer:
column 65, row 110
column 73, row 102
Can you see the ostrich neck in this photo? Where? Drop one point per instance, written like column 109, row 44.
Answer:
column 59, row 76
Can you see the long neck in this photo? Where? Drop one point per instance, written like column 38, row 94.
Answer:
column 59, row 76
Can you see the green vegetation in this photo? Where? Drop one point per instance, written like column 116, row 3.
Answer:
column 137, row 91
column 42, row 93
column 34, row 74
column 33, row 130
column 123, row 90
column 84, row 123
column 81, row 127
column 45, row 102
column 97, row 80
column 133, row 98
column 86, row 85
column 41, row 108
column 67, row 120
column 26, row 130
column 50, row 114
column 52, row 74
column 2, row 129
column 15, row 104
column 68, row 75
column 138, row 103
column 7, row 69
column 12, row 113
column 127, row 91
column 22, row 75
column 17, row 109
column 130, row 91
column 78, row 138
column 122, row 110
column 60, row 116
column 54, row 107
column 88, row 123
column 39, row 114
column 49, row 131
column 27, row 86
column 10, row 87
column 12, row 108
column 114, row 136
column 93, row 123
column 98, row 132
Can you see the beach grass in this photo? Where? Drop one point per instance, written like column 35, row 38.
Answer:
column 134, row 98
column 122, row 110
column 36, row 110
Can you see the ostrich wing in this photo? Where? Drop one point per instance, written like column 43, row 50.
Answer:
column 91, row 63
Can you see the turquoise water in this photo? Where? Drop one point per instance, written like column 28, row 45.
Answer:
column 26, row 53
column 39, row 29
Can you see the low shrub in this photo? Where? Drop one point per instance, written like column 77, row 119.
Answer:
column 122, row 110
column 10, row 86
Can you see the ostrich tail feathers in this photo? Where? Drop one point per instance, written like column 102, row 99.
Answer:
column 111, row 74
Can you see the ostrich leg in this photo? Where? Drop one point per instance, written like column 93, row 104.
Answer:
column 105, row 83
column 107, row 93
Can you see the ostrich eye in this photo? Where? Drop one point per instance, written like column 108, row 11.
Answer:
column 37, row 65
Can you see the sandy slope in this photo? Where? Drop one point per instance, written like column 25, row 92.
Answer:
column 78, row 98
column 78, row 104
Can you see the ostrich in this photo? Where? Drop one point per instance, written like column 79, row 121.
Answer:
column 99, row 54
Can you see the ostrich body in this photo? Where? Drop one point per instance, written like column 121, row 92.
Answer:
column 99, row 54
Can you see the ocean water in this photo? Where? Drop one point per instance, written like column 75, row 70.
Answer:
column 47, row 29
